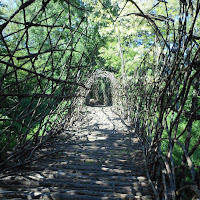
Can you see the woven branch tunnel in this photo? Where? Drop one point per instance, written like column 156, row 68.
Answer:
column 48, row 73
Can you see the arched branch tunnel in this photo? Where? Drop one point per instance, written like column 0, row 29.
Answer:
column 100, row 93
column 49, row 52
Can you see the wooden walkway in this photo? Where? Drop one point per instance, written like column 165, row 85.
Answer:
column 98, row 161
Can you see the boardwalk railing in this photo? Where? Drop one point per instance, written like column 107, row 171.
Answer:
column 166, row 105
column 42, row 65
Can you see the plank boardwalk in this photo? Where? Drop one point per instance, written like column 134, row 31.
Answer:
column 98, row 161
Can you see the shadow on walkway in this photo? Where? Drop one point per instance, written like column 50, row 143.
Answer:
column 100, row 161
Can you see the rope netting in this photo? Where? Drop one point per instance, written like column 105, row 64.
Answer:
column 46, row 58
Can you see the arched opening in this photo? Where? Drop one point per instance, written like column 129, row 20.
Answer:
column 100, row 92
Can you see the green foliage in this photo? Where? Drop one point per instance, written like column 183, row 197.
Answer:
column 110, row 35
column 75, row 39
column 178, row 151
